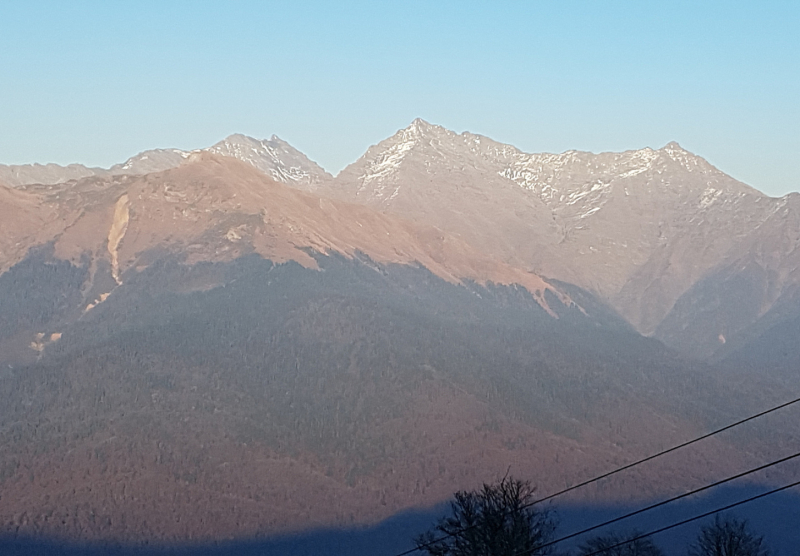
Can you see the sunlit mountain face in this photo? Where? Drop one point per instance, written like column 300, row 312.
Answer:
column 232, row 343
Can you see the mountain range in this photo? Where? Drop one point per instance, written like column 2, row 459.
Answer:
column 231, row 341
column 682, row 251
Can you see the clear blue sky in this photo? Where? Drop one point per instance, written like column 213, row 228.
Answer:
column 96, row 82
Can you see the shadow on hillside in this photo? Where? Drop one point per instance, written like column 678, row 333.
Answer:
column 776, row 517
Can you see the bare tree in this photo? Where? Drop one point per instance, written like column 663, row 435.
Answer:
column 728, row 537
column 497, row 520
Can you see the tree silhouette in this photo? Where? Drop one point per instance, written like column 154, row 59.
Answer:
column 494, row 521
column 606, row 545
column 728, row 537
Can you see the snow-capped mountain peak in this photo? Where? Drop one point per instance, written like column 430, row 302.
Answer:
column 275, row 157
column 384, row 159
column 560, row 180
column 432, row 147
column 154, row 160
column 688, row 160
column 573, row 175
column 421, row 126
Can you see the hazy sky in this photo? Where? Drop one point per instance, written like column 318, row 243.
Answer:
column 96, row 82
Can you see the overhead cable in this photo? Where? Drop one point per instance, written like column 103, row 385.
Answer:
column 665, row 502
column 615, row 471
column 685, row 521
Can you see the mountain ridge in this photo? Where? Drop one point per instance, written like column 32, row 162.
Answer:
column 205, row 351
column 638, row 228
column 292, row 166
column 218, row 208
column 601, row 221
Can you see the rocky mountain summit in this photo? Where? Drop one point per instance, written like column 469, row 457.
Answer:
column 638, row 228
column 274, row 157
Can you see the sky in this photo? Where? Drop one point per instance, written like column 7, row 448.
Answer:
column 96, row 82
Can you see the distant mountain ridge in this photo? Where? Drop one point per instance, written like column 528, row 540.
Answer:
column 231, row 342
column 274, row 157
column 216, row 208
column 642, row 229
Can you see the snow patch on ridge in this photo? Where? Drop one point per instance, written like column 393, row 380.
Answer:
column 639, row 161
column 709, row 196
column 269, row 156
column 388, row 161
column 382, row 167
column 683, row 157
column 544, row 173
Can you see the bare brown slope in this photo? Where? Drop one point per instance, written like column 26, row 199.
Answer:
column 433, row 176
column 24, row 221
column 216, row 208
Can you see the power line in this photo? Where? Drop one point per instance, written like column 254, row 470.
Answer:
column 613, row 472
column 685, row 521
column 665, row 502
